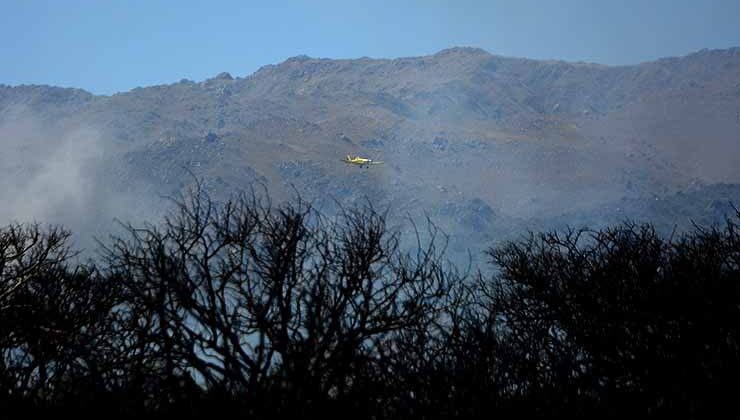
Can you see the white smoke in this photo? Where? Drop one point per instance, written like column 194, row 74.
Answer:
column 61, row 176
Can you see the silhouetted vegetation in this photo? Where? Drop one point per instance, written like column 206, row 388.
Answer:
column 278, row 311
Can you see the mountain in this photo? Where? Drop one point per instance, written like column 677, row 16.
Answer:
column 485, row 144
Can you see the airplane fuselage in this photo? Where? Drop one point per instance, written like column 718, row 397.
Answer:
column 360, row 161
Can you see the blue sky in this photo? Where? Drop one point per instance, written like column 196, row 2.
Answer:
column 110, row 46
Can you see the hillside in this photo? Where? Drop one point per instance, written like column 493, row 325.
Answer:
column 485, row 144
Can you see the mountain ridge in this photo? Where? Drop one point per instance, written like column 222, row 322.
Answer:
column 303, row 57
column 527, row 138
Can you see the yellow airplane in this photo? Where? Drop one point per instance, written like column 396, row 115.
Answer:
column 361, row 161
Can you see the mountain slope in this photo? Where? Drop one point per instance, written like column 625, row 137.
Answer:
column 457, row 130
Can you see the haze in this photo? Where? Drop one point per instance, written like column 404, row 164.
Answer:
column 486, row 143
column 551, row 225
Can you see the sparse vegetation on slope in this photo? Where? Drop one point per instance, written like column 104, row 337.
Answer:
column 543, row 138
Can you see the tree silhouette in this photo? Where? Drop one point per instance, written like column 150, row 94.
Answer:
column 55, row 321
column 280, row 311
column 623, row 319
column 281, row 305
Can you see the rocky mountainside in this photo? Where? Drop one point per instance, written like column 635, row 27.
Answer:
column 485, row 144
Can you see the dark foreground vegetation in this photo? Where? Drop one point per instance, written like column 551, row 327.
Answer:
column 280, row 312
